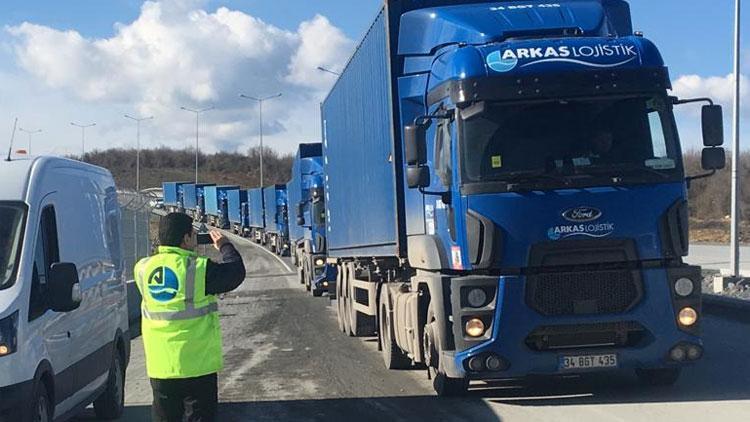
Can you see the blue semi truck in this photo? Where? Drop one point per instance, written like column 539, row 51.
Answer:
column 256, row 215
column 276, row 233
column 307, row 232
column 506, row 193
column 172, row 192
column 237, row 210
column 194, row 200
column 217, row 205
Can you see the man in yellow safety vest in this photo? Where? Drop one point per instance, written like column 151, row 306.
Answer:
column 180, row 320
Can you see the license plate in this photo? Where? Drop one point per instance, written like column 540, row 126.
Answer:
column 568, row 363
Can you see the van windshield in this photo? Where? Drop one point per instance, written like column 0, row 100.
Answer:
column 11, row 228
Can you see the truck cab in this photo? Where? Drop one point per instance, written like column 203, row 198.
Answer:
column 276, row 219
column 549, row 164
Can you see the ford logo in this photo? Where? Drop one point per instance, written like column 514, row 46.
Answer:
column 582, row 214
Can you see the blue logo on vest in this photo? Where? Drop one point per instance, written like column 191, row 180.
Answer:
column 163, row 284
column 497, row 63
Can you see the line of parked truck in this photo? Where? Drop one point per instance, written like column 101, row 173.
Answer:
column 499, row 192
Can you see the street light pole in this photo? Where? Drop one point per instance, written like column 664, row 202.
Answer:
column 83, row 136
column 197, row 119
column 260, row 108
column 323, row 69
column 29, row 132
column 735, row 244
column 137, row 173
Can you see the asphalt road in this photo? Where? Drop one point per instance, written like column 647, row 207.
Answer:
column 716, row 257
column 286, row 360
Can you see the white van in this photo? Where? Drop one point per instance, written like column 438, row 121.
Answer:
column 64, row 340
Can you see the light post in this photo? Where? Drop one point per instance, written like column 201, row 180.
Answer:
column 323, row 69
column 29, row 132
column 734, row 262
column 197, row 120
column 260, row 108
column 83, row 136
column 138, row 121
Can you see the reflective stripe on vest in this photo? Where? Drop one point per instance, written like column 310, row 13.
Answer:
column 190, row 311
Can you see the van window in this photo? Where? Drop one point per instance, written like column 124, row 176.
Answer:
column 46, row 253
column 11, row 233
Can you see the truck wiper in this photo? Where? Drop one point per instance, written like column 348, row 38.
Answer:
column 616, row 170
column 516, row 178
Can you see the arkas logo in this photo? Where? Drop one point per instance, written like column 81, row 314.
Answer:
column 598, row 56
column 582, row 214
column 163, row 284
column 585, row 230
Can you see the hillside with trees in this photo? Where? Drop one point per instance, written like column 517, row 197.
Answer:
column 164, row 164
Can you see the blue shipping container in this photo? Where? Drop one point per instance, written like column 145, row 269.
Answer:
column 214, row 195
column 358, row 144
column 257, row 216
column 235, row 199
column 171, row 193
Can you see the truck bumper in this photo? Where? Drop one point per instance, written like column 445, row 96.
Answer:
column 325, row 281
column 518, row 332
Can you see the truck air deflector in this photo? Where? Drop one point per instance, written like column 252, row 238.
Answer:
column 547, row 86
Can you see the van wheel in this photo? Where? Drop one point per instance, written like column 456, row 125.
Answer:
column 41, row 406
column 111, row 403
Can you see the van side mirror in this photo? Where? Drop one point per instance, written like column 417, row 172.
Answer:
column 415, row 144
column 64, row 287
column 418, row 176
column 713, row 125
column 713, row 159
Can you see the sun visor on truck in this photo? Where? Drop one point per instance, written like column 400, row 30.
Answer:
column 436, row 24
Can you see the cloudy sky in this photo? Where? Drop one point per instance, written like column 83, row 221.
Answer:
column 88, row 61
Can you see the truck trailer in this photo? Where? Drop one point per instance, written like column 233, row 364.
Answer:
column 236, row 202
column 307, row 232
column 217, row 209
column 506, row 196
column 194, row 200
column 276, row 233
column 172, row 196
column 257, row 216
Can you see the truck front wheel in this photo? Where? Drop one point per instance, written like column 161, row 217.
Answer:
column 393, row 357
column 444, row 385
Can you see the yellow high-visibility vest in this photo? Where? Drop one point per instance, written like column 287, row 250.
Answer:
column 180, row 323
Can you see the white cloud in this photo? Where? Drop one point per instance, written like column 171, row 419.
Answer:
column 720, row 89
column 177, row 54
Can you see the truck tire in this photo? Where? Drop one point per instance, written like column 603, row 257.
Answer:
column 659, row 377
column 111, row 403
column 339, row 301
column 444, row 385
column 393, row 356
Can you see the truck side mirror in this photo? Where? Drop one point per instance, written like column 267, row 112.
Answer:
column 713, row 158
column 713, row 125
column 415, row 144
column 300, row 221
column 64, row 287
column 418, row 176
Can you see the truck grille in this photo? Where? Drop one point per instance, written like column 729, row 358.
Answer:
column 610, row 334
column 583, row 292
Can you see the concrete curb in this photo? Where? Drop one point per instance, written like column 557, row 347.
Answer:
column 727, row 307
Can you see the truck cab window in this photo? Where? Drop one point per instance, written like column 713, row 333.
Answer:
column 46, row 253
column 443, row 152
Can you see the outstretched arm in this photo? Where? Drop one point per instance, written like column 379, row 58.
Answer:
column 230, row 273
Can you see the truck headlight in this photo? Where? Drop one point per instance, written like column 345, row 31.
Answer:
column 474, row 327
column 9, row 334
column 476, row 297
column 687, row 316
column 319, row 262
column 684, row 287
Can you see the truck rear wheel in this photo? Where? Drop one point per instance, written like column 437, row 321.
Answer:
column 393, row 356
column 340, row 302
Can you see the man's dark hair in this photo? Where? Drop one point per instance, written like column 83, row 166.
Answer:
column 173, row 227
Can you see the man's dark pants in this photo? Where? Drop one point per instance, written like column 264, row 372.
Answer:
column 185, row 400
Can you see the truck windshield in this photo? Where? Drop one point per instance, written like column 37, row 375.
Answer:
column 571, row 143
column 11, row 229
